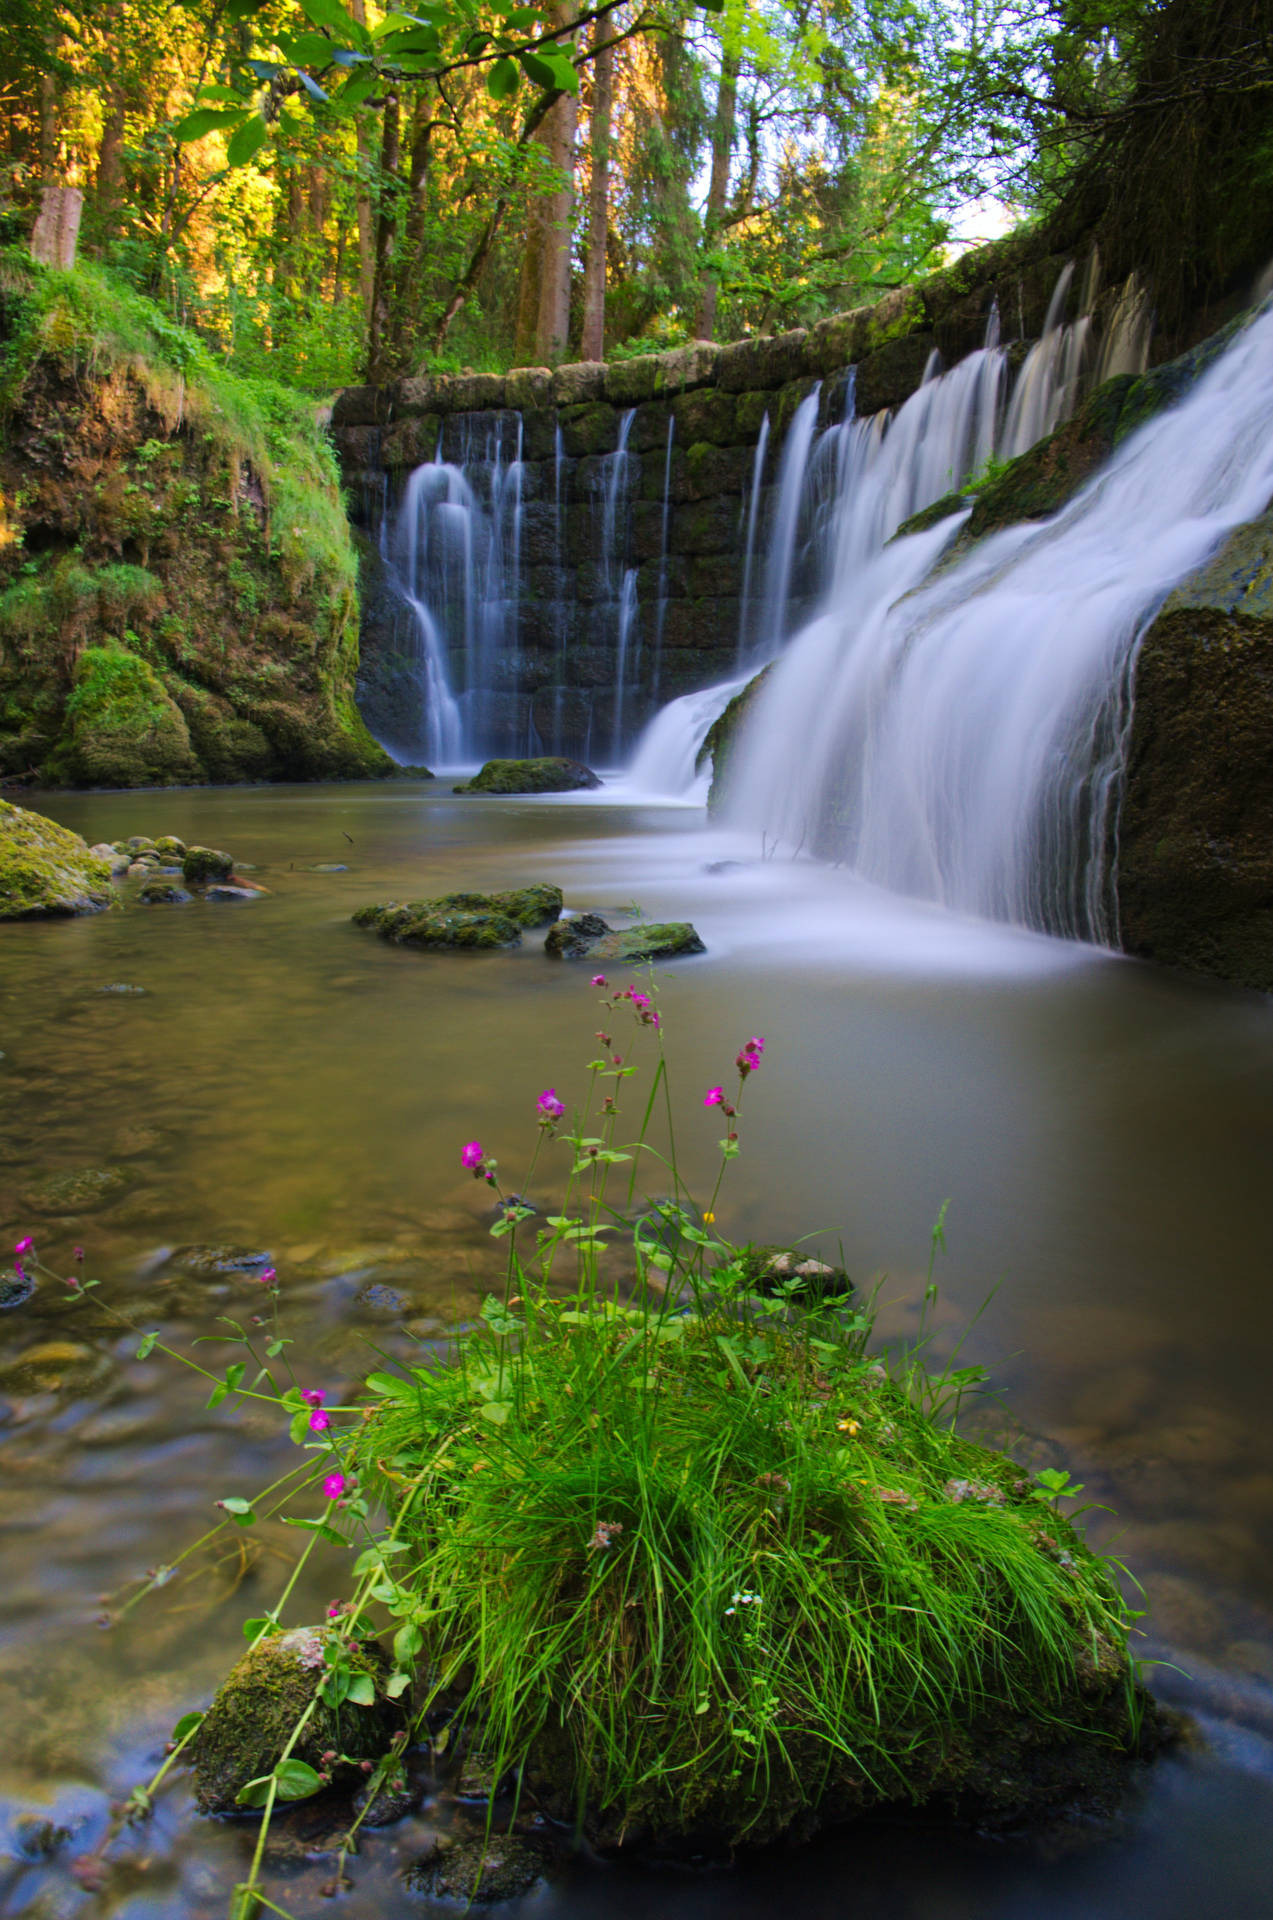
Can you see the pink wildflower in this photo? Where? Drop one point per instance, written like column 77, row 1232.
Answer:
column 472, row 1155
column 78, row 1252
column 334, row 1485
column 319, row 1421
column 714, row 1096
column 549, row 1105
column 598, row 980
column 267, row 1276
column 640, row 1001
column 313, row 1396
column 333, row 1612
column 24, row 1245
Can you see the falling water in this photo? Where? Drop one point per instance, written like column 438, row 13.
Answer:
column 785, row 525
column 660, row 608
column 746, row 623
column 961, row 738
column 667, row 756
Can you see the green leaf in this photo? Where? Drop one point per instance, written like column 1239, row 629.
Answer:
column 246, row 141
column 396, row 1685
column 207, row 120
column 244, row 9
column 255, row 1793
column 319, row 1527
column 335, row 1687
column 187, row 1724
column 390, row 1385
column 263, row 1623
column 502, row 83
column 240, row 1511
column 519, row 19
column 229, row 95
column 296, row 1780
column 306, row 49
column 330, row 13
column 147, row 1346
column 537, row 70
column 496, row 1411
column 362, row 1690
column 407, row 1642
column 299, row 1426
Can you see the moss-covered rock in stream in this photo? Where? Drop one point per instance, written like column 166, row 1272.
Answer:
column 201, row 864
column 257, row 1706
column 81, row 1190
column 464, row 920
column 163, row 893
column 46, row 870
column 548, row 775
column 178, row 596
column 591, row 938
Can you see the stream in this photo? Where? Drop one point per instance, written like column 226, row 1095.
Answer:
column 287, row 1084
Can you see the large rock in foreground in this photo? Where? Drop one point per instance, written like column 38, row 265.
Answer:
column 1195, row 851
column 251, row 1720
column 46, row 869
column 464, row 920
column 549, row 775
column 589, row 937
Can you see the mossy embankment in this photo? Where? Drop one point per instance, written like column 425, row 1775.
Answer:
column 178, row 597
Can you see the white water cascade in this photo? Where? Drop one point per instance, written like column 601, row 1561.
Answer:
column 961, row 738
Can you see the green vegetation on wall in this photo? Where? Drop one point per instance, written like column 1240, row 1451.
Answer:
column 178, row 597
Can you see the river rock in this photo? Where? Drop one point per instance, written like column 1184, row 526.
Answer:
column 170, row 847
column 46, row 870
column 464, row 920
column 222, row 890
column 651, row 940
column 81, row 1190
column 16, row 1289
column 162, row 893
column 257, row 1706
column 479, row 1869
column 201, row 864
column 219, row 1259
column 574, row 938
column 117, row 862
column 549, row 775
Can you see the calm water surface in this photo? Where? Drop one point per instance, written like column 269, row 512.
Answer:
column 288, row 1084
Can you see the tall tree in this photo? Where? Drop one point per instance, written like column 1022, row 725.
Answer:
column 593, row 338
column 718, row 186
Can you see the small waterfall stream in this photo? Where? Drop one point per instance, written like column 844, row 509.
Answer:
column 960, row 738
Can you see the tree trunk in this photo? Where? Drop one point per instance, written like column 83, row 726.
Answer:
column 593, row 344
column 722, row 149
column 386, row 230
column 362, row 197
column 553, row 330
column 109, row 181
column 410, row 278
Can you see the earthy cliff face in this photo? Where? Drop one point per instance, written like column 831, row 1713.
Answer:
column 177, row 582
column 1195, row 860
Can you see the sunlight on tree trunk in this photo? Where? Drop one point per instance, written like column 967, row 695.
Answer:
column 722, row 148
column 592, row 345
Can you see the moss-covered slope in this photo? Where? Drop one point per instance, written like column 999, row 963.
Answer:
column 178, row 593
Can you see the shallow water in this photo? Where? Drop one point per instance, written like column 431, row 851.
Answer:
column 289, row 1084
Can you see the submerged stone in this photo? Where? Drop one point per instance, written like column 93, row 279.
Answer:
column 219, row 1259
column 219, row 890
column 83, row 1190
column 256, row 1709
column 15, row 1289
column 46, row 870
column 549, row 775
column 479, row 1869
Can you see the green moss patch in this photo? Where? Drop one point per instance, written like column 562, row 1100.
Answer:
column 548, row 775
column 464, row 920
column 158, row 506
column 46, row 869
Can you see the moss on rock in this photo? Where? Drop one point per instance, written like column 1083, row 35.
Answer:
column 548, row 775
column 721, row 737
column 201, row 864
column 650, row 940
column 81, row 1190
column 180, row 529
column 46, row 869
column 464, row 920
column 257, row 1707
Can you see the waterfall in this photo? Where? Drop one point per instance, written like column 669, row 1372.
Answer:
column 666, row 759
column 792, row 470
column 665, row 521
column 746, row 622
column 960, row 737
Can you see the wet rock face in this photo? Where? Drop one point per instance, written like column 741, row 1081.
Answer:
column 1195, row 849
column 46, row 870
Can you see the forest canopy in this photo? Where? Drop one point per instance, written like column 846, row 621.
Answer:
column 328, row 189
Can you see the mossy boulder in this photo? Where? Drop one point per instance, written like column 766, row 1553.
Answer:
column 162, row 893
column 170, row 847
column 81, row 1190
column 464, row 920
column 256, row 1708
column 47, row 870
column 122, row 728
column 590, row 938
column 549, row 775
column 199, row 865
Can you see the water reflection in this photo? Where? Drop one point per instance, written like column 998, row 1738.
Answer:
column 287, row 1084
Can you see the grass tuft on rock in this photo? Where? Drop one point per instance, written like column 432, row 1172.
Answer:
column 712, row 1570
